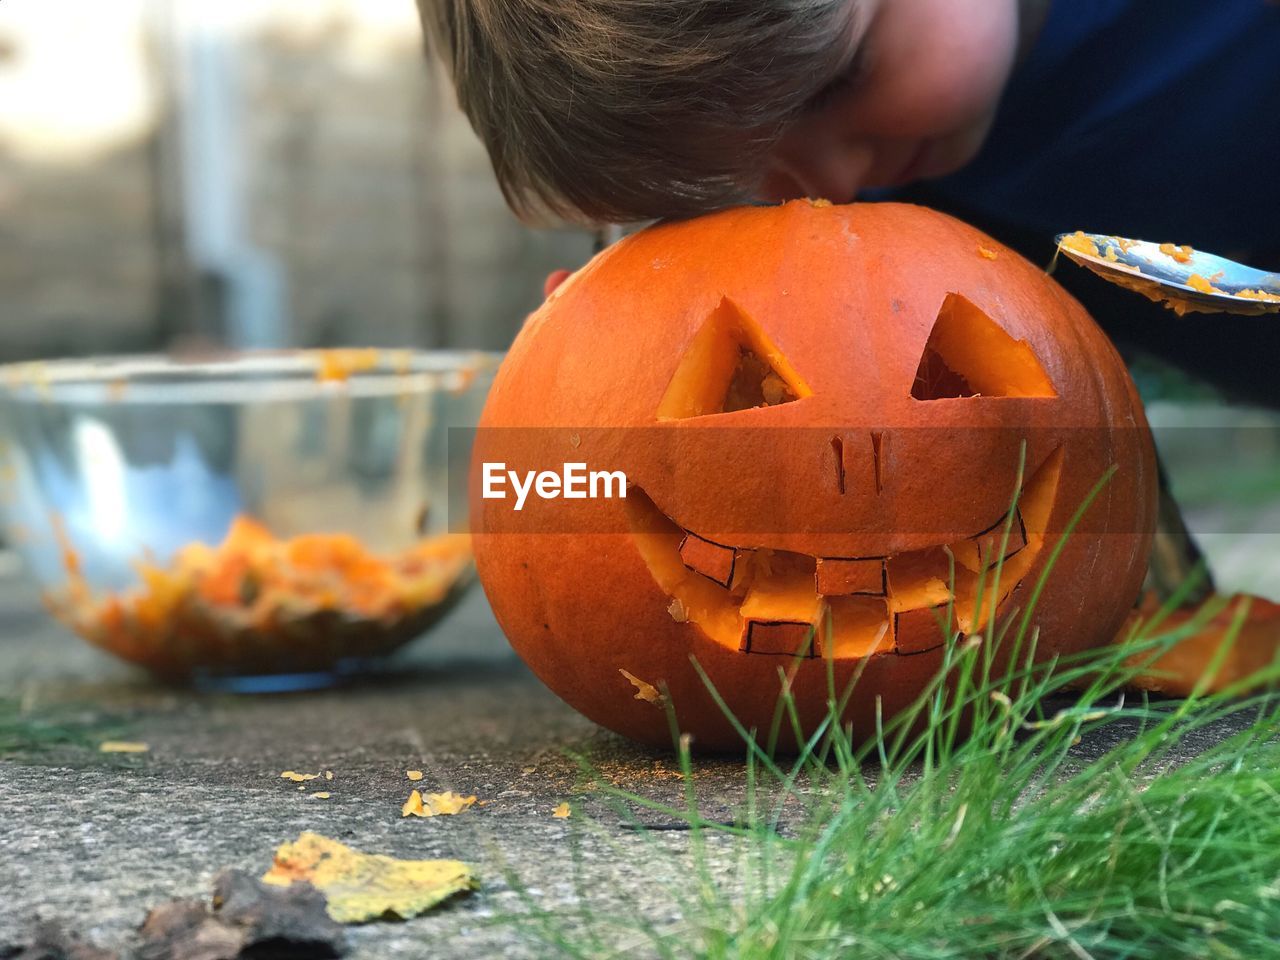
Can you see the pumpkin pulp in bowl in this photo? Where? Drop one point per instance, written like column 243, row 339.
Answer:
column 257, row 521
column 255, row 604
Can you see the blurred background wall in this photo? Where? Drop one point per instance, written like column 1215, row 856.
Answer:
column 246, row 172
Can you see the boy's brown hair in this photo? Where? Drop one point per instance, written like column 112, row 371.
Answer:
column 623, row 110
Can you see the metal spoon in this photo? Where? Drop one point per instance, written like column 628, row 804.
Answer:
column 1185, row 280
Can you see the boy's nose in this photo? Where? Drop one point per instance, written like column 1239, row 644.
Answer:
column 781, row 185
column 832, row 171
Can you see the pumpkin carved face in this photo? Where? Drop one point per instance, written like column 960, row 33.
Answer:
column 824, row 415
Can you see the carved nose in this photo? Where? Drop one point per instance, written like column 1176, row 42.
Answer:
column 850, row 460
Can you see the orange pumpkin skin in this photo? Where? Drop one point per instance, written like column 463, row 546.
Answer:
column 865, row 446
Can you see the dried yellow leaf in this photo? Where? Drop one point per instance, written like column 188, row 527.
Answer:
column 298, row 777
column 321, row 795
column 645, row 691
column 328, row 774
column 562, row 812
column 435, row 804
column 414, row 775
column 361, row 887
column 122, row 746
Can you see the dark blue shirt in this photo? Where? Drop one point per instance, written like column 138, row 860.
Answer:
column 1157, row 119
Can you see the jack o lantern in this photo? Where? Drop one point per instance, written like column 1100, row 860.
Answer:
column 833, row 422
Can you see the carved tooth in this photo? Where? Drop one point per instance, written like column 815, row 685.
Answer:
column 850, row 577
column 917, row 631
column 713, row 560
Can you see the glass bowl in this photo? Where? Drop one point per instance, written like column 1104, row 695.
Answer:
column 256, row 521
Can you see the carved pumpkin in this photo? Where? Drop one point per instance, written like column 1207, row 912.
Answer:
column 821, row 412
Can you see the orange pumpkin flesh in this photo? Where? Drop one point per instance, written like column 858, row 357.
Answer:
column 1197, row 661
column 821, row 412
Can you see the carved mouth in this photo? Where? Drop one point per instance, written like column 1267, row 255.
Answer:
column 763, row 601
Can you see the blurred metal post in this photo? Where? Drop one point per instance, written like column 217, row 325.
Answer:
column 606, row 235
column 179, row 306
column 245, row 283
column 429, row 200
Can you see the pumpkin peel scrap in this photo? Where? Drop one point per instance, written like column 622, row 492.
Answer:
column 122, row 746
column 1186, row 666
column 644, row 690
column 445, row 804
column 362, row 887
column 413, row 806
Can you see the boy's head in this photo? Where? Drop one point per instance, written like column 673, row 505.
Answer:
column 621, row 110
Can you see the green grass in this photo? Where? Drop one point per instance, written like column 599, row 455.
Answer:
column 1005, row 843
column 25, row 731
column 1241, row 490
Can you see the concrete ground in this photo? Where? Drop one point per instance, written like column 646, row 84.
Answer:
column 95, row 839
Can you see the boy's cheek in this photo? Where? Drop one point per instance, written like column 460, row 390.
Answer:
column 924, row 110
column 941, row 66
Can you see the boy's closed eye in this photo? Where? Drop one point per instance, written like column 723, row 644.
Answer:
column 850, row 79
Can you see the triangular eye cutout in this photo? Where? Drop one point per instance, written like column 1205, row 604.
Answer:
column 969, row 355
column 730, row 365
